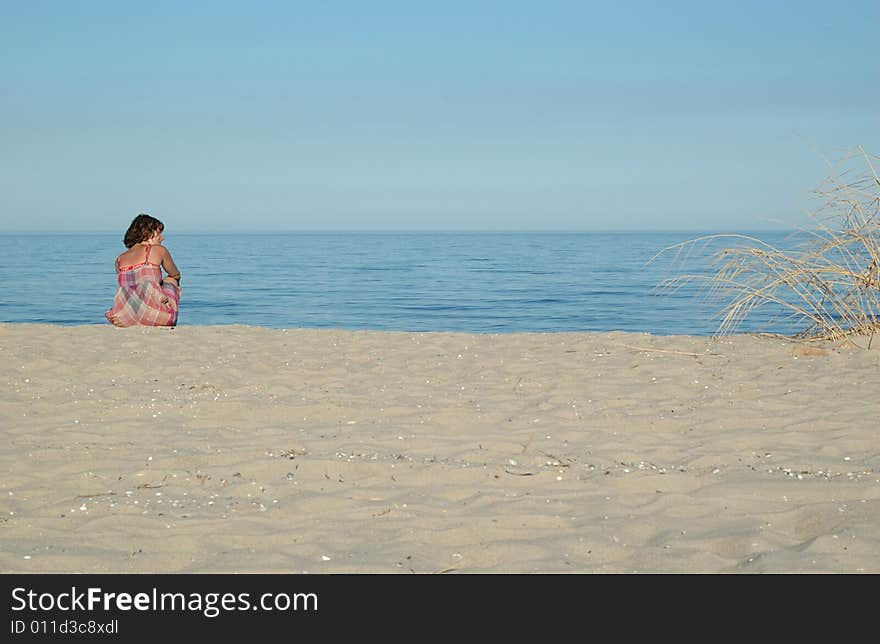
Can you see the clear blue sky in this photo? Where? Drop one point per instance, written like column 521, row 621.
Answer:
column 263, row 116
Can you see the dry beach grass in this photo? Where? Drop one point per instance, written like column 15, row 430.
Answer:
column 829, row 282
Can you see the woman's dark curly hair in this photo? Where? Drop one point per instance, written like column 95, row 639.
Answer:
column 142, row 228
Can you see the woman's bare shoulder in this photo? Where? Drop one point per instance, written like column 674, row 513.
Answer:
column 158, row 250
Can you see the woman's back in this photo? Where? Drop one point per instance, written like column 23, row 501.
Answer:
column 137, row 255
column 133, row 268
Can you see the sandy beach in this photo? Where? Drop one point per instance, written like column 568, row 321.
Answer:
column 242, row 449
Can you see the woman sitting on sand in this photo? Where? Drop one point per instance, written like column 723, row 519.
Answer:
column 143, row 297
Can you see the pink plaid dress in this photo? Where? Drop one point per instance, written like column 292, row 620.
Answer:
column 142, row 297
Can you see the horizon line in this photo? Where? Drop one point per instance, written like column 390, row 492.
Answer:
column 414, row 231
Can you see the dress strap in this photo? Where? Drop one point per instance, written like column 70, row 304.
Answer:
column 147, row 258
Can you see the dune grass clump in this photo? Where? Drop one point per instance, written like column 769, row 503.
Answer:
column 827, row 284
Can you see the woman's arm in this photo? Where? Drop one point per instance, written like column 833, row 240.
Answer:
column 169, row 265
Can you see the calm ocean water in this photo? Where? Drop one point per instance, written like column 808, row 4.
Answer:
column 475, row 282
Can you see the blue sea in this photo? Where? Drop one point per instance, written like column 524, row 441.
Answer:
column 474, row 282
